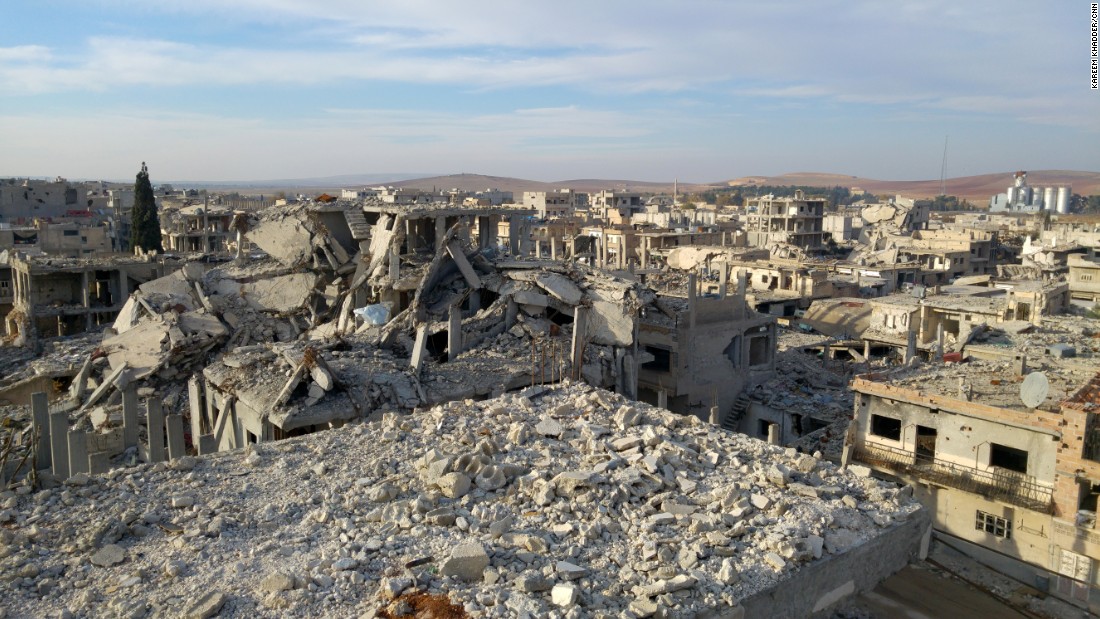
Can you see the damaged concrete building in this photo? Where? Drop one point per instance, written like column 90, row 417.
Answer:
column 55, row 296
column 1003, row 453
column 796, row 221
column 938, row 320
column 704, row 351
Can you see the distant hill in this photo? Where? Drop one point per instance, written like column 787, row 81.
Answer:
column 977, row 189
column 479, row 182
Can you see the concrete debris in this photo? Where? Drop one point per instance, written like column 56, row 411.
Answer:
column 578, row 524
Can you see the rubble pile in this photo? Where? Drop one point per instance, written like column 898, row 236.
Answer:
column 560, row 502
column 343, row 318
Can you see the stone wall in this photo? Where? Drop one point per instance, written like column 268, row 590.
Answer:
column 819, row 586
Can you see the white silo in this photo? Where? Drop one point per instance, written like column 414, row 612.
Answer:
column 1010, row 194
column 1062, row 205
column 1048, row 198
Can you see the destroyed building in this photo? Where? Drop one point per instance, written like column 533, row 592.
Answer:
column 704, row 351
column 796, row 221
column 55, row 296
column 938, row 320
column 202, row 228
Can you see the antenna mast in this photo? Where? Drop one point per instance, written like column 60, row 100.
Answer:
column 943, row 167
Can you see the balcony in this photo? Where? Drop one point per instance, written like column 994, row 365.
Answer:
column 997, row 485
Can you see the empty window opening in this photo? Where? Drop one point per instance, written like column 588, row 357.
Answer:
column 1008, row 458
column 926, row 443
column 759, row 351
column 951, row 327
column 992, row 524
column 662, row 359
column 886, row 427
column 1088, row 495
column 763, row 426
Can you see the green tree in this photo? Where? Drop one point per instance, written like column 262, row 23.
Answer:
column 1092, row 204
column 144, row 221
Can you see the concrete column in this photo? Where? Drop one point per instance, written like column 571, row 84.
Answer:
column 40, row 420
column 525, row 236
column 124, row 286
column 154, row 418
column 194, row 399
column 723, row 278
column 773, row 434
column 662, row 399
column 454, row 333
column 99, row 463
column 78, row 452
column 395, row 267
column 484, row 232
column 867, row 351
column 418, row 347
column 691, row 300
column 742, row 290
column 59, row 444
column 207, row 444
column 553, row 247
column 177, row 447
column 513, row 235
column 440, row 231
column 580, row 328
column 511, row 310
column 86, row 298
column 910, row 346
column 129, row 417
column 715, row 416
column 85, row 292
column 410, row 236
column 464, row 230
column 538, row 249
column 207, row 425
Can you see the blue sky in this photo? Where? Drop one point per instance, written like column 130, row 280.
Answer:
column 700, row 90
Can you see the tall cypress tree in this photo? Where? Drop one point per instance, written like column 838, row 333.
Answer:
column 144, row 221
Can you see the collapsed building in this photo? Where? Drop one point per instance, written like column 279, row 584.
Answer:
column 357, row 309
column 937, row 320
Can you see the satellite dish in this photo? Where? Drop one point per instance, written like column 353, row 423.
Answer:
column 1034, row 389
